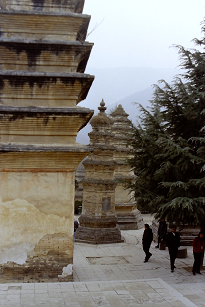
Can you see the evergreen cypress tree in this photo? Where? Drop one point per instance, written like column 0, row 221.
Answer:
column 169, row 145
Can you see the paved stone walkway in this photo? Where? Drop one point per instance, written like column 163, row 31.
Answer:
column 149, row 292
column 114, row 275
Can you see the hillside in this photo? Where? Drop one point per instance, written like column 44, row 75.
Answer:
column 122, row 85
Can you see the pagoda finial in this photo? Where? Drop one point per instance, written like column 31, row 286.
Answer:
column 102, row 107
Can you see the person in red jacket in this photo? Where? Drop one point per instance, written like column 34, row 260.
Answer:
column 198, row 250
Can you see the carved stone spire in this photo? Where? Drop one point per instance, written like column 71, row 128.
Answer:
column 102, row 108
column 128, row 215
column 98, row 222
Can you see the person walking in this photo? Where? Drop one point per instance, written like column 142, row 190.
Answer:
column 75, row 228
column 198, row 250
column 146, row 241
column 75, row 225
column 173, row 243
column 162, row 232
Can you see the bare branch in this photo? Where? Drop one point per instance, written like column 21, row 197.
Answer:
column 95, row 27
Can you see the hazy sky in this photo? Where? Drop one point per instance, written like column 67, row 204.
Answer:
column 139, row 33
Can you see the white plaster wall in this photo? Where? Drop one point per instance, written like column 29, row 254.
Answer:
column 50, row 193
column 33, row 205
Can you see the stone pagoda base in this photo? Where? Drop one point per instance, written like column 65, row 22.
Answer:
column 129, row 220
column 98, row 236
column 98, row 230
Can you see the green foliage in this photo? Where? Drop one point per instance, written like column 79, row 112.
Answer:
column 169, row 145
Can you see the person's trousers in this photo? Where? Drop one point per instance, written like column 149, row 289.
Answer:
column 197, row 262
column 147, row 253
column 173, row 256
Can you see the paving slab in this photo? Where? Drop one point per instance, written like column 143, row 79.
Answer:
column 114, row 275
column 120, row 293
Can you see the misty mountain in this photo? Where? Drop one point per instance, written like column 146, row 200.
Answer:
column 122, row 85
column 114, row 84
column 130, row 107
column 129, row 103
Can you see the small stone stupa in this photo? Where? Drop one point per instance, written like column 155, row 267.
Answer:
column 129, row 217
column 98, row 222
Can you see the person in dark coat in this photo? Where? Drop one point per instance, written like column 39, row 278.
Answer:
column 75, row 228
column 173, row 243
column 162, row 232
column 198, row 250
column 146, row 241
column 75, row 225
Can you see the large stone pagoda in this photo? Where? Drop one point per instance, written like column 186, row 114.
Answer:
column 43, row 55
column 98, row 222
column 129, row 217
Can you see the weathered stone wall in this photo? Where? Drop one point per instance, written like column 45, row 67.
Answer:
column 36, row 214
column 37, row 189
column 31, row 239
